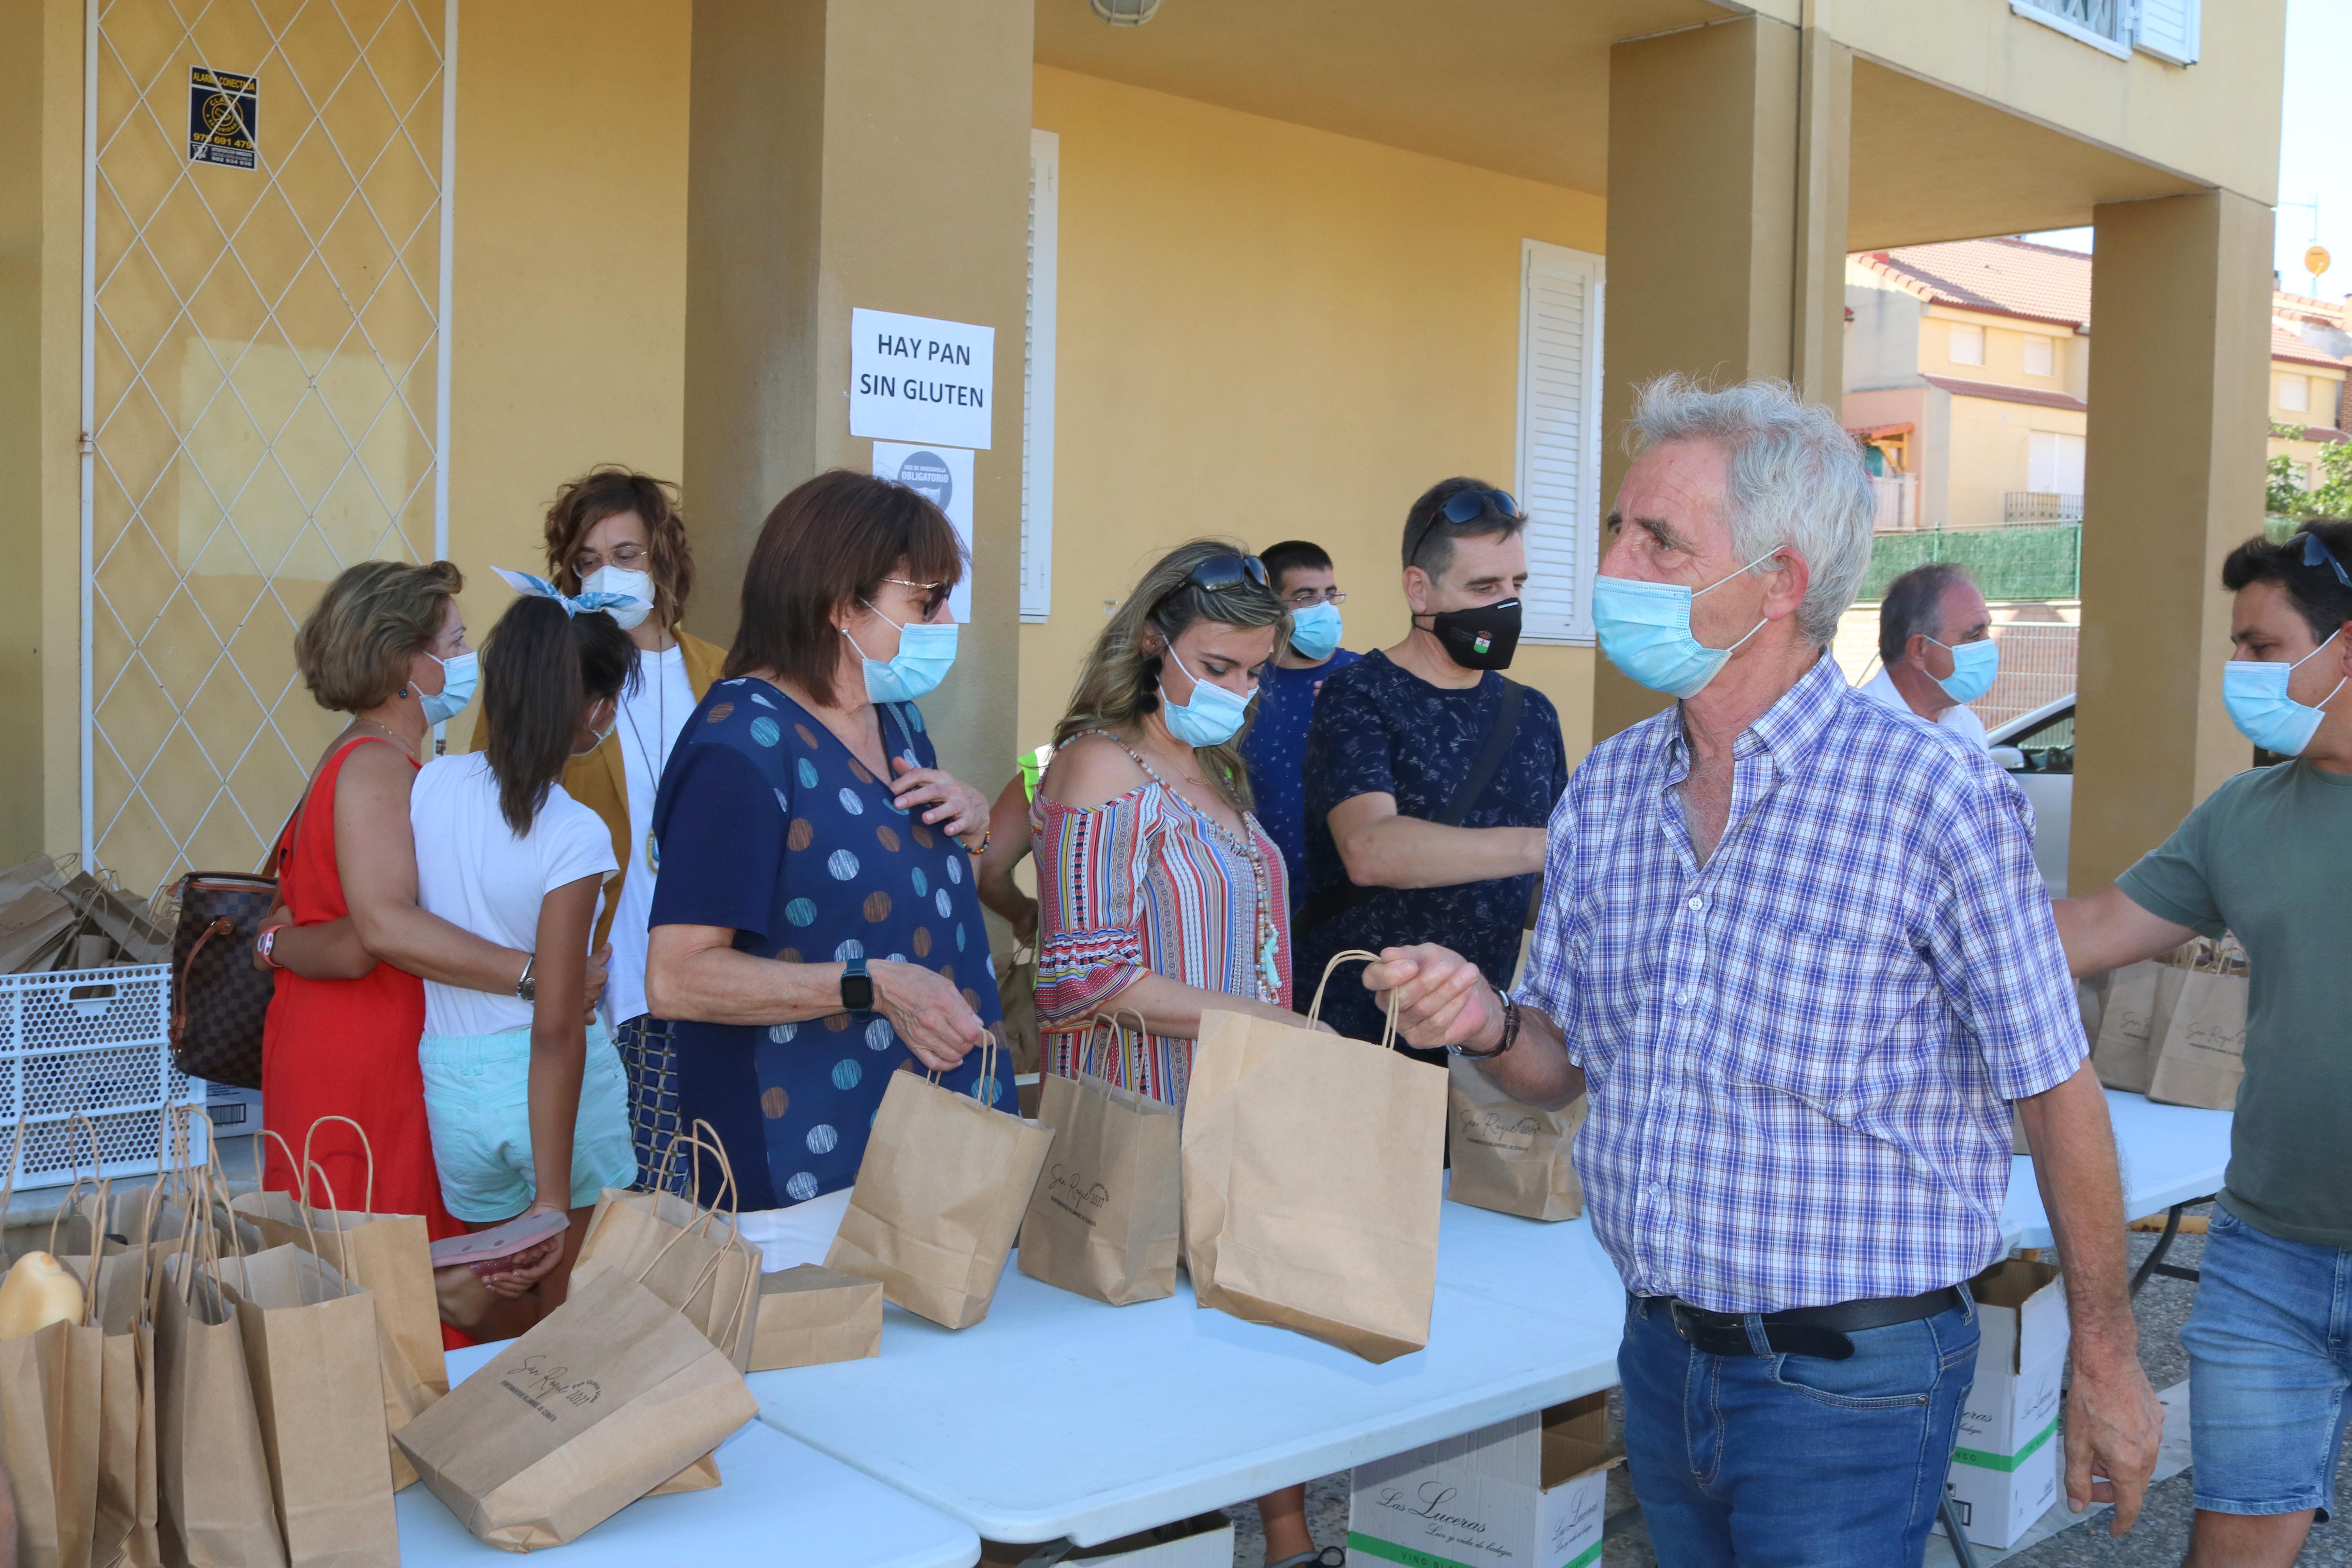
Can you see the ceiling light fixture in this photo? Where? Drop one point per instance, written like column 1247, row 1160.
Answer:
column 1124, row 13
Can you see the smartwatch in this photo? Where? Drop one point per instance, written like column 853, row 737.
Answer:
column 857, row 985
column 527, row 988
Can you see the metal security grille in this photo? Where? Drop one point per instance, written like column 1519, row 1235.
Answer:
column 264, row 381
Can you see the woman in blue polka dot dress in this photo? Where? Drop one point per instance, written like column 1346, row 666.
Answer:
column 816, row 925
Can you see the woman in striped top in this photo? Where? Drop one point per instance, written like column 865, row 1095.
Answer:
column 1157, row 892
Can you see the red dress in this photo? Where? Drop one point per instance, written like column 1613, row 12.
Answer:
column 346, row 1048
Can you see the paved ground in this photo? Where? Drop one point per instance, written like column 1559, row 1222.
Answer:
column 2159, row 1541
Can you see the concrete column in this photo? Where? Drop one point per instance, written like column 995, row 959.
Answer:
column 1727, row 180
column 845, row 153
column 2179, row 398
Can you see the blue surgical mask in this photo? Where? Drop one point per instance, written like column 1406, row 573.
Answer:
column 459, row 676
column 925, row 651
column 1644, row 628
column 1974, row 664
column 1315, row 631
column 1214, row 716
column 2255, row 695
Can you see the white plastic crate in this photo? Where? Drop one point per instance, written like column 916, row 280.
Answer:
column 97, row 1041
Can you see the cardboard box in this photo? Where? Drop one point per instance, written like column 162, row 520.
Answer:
column 812, row 1314
column 1205, row 1540
column 1526, row 1493
column 2005, row 1470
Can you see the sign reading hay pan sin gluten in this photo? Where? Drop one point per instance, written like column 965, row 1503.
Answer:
column 914, row 379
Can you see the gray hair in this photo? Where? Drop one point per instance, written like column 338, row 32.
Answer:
column 1796, row 480
column 1914, row 604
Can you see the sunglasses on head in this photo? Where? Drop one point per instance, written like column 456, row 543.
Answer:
column 1461, row 507
column 2315, row 554
column 1223, row 573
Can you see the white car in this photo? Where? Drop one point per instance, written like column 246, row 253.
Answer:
column 2038, row 751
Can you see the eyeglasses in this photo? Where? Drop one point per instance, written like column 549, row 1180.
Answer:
column 1461, row 507
column 2315, row 554
column 1306, row 599
column 629, row 555
column 934, row 593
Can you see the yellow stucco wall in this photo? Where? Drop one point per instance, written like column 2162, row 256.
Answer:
column 2004, row 351
column 568, row 341
column 1989, row 454
column 2322, row 391
column 1269, row 331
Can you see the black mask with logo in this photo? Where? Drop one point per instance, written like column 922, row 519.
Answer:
column 1481, row 637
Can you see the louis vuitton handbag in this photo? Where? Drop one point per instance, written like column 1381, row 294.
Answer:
column 219, row 1000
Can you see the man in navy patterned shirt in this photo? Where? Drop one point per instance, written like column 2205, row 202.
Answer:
column 1794, row 948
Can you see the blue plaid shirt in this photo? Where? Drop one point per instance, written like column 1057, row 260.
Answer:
column 1798, row 1053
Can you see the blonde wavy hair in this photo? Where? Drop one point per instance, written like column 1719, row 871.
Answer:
column 1120, row 681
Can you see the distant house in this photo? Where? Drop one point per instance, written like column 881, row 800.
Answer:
column 1967, row 368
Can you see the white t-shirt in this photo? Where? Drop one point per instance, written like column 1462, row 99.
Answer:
column 473, row 872
column 1959, row 718
column 646, row 729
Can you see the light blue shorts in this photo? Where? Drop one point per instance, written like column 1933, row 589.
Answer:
column 477, row 1100
column 2270, row 1370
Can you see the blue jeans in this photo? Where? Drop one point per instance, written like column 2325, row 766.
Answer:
column 2269, row 1362
column 1774, row 1459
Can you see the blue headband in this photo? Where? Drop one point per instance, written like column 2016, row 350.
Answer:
column 523, row 582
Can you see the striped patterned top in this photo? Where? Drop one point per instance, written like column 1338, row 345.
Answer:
column 1148, row 883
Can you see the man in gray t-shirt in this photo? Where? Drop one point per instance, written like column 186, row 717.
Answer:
column 2268, row 856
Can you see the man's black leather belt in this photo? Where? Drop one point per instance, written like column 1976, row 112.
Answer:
column 1806, row 1330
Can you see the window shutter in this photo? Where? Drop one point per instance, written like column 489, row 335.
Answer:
column 1560, row 436
column 1037, row 377
column 2168, row 29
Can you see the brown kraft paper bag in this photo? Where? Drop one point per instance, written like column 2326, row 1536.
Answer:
column 1506, row 1156
column 2132, row 1023
column 940, row 1195
column 388, row 1256
column 1106, row 1218
column 119, row 1286
column 1312, row 1173
column 1016, row 993
column 51, row 1416
column 810, row 1315
column 687, row 1254
column 583, row 1415
column 311, row 1347
column 217, row 1507
column 2204, row 1053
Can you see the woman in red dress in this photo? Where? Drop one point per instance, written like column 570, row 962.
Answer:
column 349, row 943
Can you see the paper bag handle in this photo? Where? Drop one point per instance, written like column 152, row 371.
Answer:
column 342, row 1253
column 302, row 1171
column 1352, row 955
column 984, row 1087
column 1094, row 1027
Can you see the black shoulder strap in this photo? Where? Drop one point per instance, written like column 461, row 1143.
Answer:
column 1501, row 731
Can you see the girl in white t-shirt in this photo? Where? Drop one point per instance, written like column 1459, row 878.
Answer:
column 525, row 1097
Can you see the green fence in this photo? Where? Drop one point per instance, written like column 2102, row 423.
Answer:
column 2036, row 563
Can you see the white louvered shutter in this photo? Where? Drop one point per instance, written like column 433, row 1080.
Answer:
column 1037, row 377
column 1560, row 436
column 2168, row 29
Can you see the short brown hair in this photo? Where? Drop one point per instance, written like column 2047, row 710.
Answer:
column 829, row 545
column 607, row 491
column 353, row 650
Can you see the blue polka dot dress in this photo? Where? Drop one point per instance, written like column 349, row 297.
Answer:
column 767, row 825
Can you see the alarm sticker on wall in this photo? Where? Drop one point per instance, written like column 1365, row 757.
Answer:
column 944, row 474
column 223, row 117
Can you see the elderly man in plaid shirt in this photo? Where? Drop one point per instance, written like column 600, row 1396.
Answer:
column 1793, row 946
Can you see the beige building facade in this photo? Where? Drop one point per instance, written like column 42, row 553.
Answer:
column 1253, row 270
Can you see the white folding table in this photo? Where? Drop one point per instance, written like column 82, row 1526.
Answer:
column 2171, row 1155
column 1058, row 1417
column 779, row 1503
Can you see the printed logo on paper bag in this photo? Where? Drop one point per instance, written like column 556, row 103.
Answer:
column 223, row 117
column 1495, row 1130
column 545, row 1388
column 1070, row 1192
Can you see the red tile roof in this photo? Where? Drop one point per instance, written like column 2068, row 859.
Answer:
column 2000, row 392
column 2286, row 345
column 2007, row 277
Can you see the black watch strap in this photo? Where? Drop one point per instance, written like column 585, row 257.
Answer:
column 857, row 985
